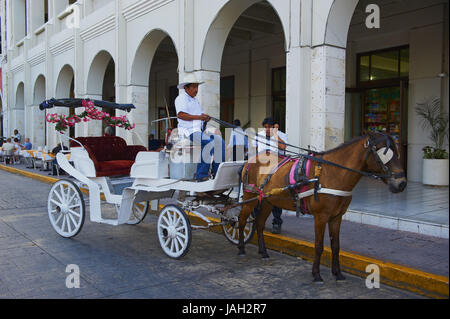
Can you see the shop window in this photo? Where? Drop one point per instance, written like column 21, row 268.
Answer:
column 45, row 11
column 25, row 17
column 364, row 68
column 383, row 65
column 279, row 96
column 404, row 62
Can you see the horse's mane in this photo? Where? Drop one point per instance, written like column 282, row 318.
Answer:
column 353, row 140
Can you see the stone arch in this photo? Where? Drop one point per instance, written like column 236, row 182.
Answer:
column 18, row 110
column 64, row 83
column 96, row 73
column 36, row 126
column 139, row 81
column 338, row 22
column 20, row 97
column 140, row 68
column 39, row 90
column 219, row 29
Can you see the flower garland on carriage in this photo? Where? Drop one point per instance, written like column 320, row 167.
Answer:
column 90, row 113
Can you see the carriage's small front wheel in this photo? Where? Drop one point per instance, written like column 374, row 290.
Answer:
column 66, row 208
column 174, row 231
column 138, row 213
column 230, row 226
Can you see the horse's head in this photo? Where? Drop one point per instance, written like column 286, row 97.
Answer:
column 383, row 158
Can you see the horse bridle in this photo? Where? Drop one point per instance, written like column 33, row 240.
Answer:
column 383, row 155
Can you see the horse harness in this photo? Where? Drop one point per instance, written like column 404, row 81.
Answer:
column 298, row 180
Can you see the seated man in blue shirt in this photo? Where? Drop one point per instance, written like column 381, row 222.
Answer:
column 27, row 146
column 191, row 118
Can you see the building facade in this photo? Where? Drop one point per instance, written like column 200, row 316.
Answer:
column 319, row 67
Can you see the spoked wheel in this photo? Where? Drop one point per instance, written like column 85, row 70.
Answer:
column 66, row 209
column 231, row 226
column 174, row 231
column 138, row 214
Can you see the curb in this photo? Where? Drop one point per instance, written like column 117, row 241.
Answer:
column 398, row 276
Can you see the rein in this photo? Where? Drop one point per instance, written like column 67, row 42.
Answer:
column 371, row 148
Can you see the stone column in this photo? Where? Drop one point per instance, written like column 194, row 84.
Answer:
column 137, row 95
column 37, row 136
column 327, row 97
column 298, row 95
column 209, row 93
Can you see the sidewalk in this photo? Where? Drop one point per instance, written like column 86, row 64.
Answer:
column 420, row 209
column 416, row 251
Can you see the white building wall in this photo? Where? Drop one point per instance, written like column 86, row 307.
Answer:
column 313, row 50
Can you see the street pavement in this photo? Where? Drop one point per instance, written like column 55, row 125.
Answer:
column 127, row 262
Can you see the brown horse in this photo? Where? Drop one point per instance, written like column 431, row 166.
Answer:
column 374, row 152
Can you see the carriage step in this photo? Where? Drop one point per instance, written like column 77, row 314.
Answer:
column 112, row 222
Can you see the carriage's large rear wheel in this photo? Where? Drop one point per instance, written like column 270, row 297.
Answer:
column 174, row 231
column 66, row 209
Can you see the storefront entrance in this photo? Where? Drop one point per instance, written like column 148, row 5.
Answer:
column 380, row 101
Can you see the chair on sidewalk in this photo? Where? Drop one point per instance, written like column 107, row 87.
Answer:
column 28, row 157
column 44, row 160
column 9, row 155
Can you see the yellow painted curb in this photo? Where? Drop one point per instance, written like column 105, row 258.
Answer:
column 398, row 276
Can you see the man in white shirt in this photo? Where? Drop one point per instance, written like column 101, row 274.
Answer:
column 191, row 119
column 283, row 136
column 270, row 140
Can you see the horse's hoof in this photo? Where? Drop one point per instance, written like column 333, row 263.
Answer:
column 241, row 253
column 318, row 279
column 265, row 256
column 339, row 277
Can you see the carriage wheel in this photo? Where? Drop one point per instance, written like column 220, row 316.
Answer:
column 139, row 212
column 174, row 231
column 231, row 227
column 66, row 209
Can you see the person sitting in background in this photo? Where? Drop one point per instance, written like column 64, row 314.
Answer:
column 58, row 149
column 17, row 135
column 8, row 146
column 238, row 143
column 55, row 151
column 109, row 131
column 27, row 146
column 153, row 144
column 17, row 148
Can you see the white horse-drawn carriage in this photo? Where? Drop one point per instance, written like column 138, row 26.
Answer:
column 134, row 180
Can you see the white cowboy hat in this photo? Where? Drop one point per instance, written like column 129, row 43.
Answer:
column 188, row 79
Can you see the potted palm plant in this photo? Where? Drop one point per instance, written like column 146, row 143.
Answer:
column 435, row 158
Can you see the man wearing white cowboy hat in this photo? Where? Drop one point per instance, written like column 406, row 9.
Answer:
column 190, row 123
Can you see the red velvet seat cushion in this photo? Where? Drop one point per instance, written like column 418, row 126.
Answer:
column 110, row 154
column 112, row 168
